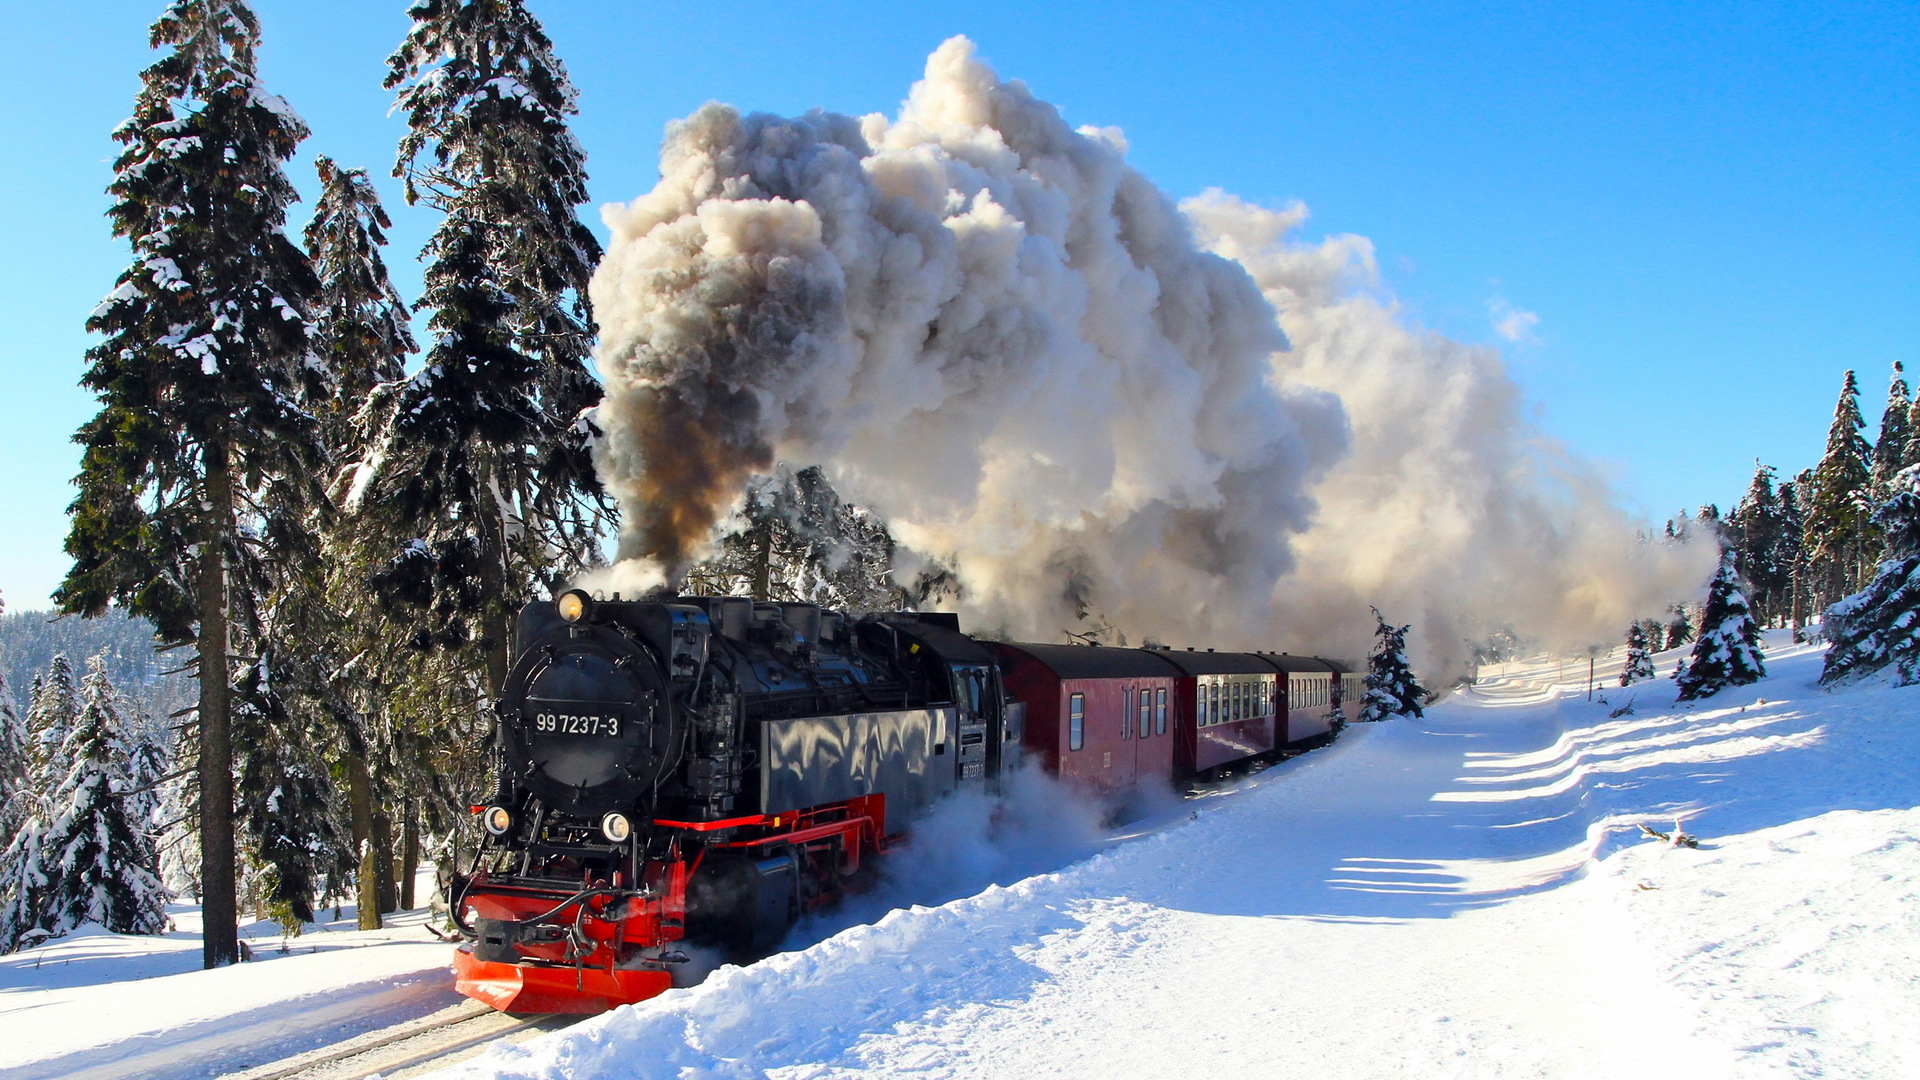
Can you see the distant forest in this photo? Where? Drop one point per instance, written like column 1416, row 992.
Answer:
column 29, row 640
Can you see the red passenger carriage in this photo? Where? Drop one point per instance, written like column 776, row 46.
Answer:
column 1098, row 716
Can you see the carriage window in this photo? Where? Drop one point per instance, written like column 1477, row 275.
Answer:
column 1126, row 714
column 1146, row 713
column 1160, row 711
column 1213, row 702
column 1239, row 699
column 1076, row 721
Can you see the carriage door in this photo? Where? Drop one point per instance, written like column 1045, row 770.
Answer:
column 1129, row 754
column 979, row 711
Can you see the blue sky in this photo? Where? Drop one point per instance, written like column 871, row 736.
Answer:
column 1713, row 209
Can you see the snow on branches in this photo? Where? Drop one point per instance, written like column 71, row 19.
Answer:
column 1727, row 652
column 1391, row 687
column 1879, row 626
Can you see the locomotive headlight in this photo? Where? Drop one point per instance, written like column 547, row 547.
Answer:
column 497, row 820
column 573, row 605
column 616, row 828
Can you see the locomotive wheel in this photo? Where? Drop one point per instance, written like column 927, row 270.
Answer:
column 743, row 906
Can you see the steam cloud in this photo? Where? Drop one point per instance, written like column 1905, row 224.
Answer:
column 1050, row 378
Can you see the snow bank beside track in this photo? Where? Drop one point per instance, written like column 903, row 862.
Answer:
column 100, row 1006
column 1421, row 899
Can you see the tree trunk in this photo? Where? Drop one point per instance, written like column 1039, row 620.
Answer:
column 409, row 853
column 381, row 856
column 219, row 904
column 367, row 875
column 499, row 612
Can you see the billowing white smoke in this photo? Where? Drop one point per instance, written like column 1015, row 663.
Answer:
column 1451, row 512
column 988, row 327
column 1000, row 336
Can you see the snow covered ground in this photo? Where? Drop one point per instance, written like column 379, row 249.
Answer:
column 1465, row 896
column 99, row 1006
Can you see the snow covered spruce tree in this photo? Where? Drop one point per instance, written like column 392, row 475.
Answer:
column 1728, row 650
column 19, row 799
column 794, row 540
column 362, row 333
column 1839, row 507
column 1391, row 687
column 1890, row 445
column 1879, row 626
column 1679, row 627
column 13, row 762
column 199, row 378
column 480, row 479
column 99, row 858
column 1765, row 546
column 1639, row 666
column 51, row 713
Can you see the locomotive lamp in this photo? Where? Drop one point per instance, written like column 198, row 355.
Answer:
column 573, row 605
column 616, row 827
column 497, row 820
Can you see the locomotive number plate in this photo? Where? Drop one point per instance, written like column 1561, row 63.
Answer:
column 558, row 723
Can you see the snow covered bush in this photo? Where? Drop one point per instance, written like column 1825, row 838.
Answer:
column 1727, row 652
column 1879, row 626
column 1391, row 687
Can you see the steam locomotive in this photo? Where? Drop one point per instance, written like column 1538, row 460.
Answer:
column 702, row 771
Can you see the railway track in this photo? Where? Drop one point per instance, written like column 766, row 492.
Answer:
column 410, row 1049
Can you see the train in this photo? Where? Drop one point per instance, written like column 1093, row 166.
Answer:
column 697, row 773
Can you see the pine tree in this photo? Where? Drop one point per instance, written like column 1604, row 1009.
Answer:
column 365, row 333
column 1679, row 629
column 200, row 377
column 479, row 478
column 793, row 540
column 1763, row 544
column 1838, row 511
column 14, row 760
column 1639, row 667
column 51, row 713
column 360, row 328
column 1391, row 687
column 1879, row 626
column 1728, row 650
column 1792, row 513
column 101, row 860
column 1890, row 446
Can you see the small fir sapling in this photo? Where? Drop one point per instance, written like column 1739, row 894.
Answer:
column 1639, row 666
column 1391, row 687
column 1879, row 626
column 1728, row 650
